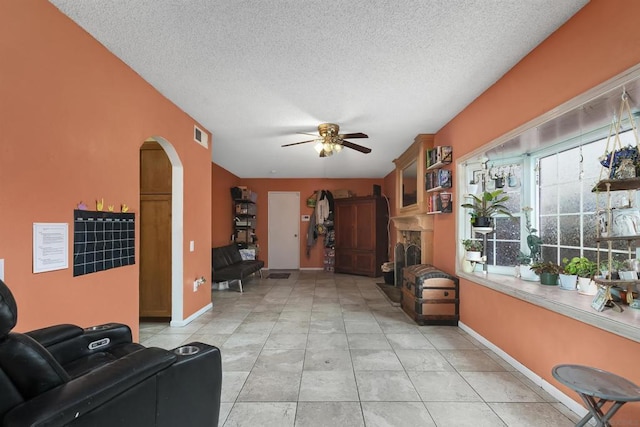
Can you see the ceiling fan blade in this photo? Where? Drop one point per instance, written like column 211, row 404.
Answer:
column 356, row 147
column 296, row 143
column 354, row 135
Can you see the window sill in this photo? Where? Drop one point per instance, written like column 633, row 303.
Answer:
column 568, row 303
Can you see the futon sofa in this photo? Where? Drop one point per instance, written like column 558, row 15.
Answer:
column 64, row 375
column 227, row 264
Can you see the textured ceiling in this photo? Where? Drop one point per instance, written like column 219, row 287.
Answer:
column 257, row 73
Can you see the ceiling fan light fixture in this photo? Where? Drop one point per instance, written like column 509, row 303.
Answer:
column 330, row 141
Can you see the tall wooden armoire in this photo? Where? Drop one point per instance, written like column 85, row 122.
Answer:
column 361, row 235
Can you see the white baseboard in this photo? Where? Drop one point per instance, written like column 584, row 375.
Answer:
column 194, row 316
column 535, row 378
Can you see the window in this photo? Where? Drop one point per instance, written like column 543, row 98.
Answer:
column 564, row 207
column 567, row 206
column 559, row 156
column 503, row 245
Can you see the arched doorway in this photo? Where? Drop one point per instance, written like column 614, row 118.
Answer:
column 161, row 216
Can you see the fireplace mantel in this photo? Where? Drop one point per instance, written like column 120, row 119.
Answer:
column 413, row 222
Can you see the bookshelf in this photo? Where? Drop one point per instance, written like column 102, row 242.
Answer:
column 438, row 180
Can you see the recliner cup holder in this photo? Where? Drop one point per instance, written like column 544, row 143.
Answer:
column 186, row 350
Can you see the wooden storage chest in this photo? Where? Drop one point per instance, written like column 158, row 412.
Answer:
column 430, row 296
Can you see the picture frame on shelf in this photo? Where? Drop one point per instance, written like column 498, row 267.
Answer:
column 600, row 300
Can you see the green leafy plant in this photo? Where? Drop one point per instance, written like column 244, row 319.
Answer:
column 580, row 266
column 472, row 245
column 546, row 267
column 616, row 265
column 488, row 204
column 534, row 242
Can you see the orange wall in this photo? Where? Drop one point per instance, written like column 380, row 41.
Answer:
column 599, row 42
column 72, row 120
column 221, row 207
column 306, row 187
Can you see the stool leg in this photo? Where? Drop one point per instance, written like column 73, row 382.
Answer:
column 614, row 408
column 594, row 412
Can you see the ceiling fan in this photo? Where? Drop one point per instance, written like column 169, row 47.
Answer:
column 330, row 141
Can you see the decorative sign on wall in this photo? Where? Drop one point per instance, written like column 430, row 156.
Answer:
column 102, row 240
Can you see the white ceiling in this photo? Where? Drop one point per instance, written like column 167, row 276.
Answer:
column 257, row 73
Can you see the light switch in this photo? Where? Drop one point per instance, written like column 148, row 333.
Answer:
column 2, row 269
column 192, row 246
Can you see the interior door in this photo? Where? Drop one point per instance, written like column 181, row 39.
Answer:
column 155, row 231
column 284, row 230
column 155, row 255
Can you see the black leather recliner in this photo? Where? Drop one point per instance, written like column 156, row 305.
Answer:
column 66, row 375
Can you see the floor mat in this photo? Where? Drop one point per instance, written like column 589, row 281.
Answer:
column 393, row 294
column 278, row 275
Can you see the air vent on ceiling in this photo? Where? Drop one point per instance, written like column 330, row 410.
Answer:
column 200, row 136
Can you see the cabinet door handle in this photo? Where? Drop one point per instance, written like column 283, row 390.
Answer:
column 446, row 293
column 295, row 235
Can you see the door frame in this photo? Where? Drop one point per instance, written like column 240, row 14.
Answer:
column 269, row 224
column 177, row 213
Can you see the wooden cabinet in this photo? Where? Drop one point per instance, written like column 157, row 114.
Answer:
column 361, row 235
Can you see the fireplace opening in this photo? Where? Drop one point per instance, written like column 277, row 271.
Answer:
column 406, row 254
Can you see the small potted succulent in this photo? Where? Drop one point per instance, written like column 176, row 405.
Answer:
column 616, row 266
column 548, row 272
column 627, row 270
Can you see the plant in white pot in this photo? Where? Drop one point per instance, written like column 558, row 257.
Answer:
column 616, row 266
column 473, row 250
column 575, row 268
column 628, row 270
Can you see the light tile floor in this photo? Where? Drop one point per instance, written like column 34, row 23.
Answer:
column 319, row 349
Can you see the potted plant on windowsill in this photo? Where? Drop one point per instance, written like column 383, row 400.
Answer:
column 534, row 243
column 473, row 250
column 616, row 266
column 548, row 272
column 485, row 206
column 576, row 268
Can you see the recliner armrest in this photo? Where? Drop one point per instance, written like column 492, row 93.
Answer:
column 106, row 336
column 63, row 404
column 55, row 334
